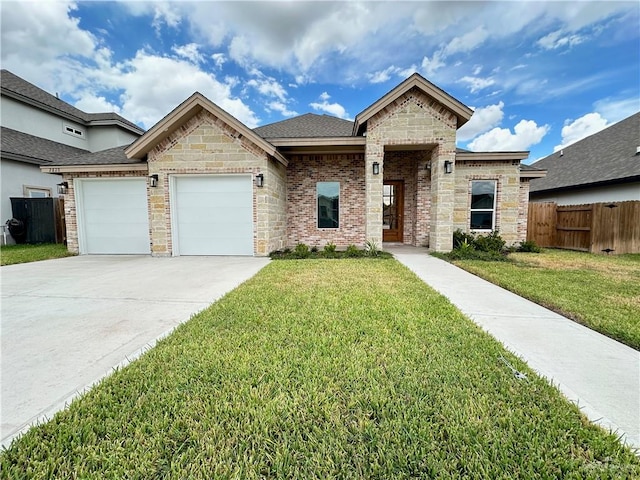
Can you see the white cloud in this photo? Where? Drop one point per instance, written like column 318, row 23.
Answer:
column 467, row 42
column 482, row 120
column 92, row 103
column 189, row 51
column 333, row 108
column 267, row 86
column 282, row 108
column 525, row 134
column 431, row 65
column 476, row 83
column 558, row 39
column 615, row 110
column 219, row 59
column 582, row 127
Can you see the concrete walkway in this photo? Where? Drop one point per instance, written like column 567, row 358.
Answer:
column 600, row 375
column 67, row 323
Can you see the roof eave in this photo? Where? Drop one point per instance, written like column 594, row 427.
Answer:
column 171, row 122
column 115, row 167
column 23, row 158
column 489, row 156
column 462, row 112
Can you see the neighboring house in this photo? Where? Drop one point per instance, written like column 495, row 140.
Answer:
column 39, row 129
column 202, row 183
column 603, row 167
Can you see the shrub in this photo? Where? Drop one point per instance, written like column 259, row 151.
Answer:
column 314, row 249
column 329, row 250
column 492, row 242
column 371, row 248
column 353, row 251
column 528, row 246
column 301, row 251
column 460, row 237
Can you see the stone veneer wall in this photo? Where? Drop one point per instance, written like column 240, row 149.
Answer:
column 70, row 207
column 207, row 145
column 510, row 197
column 303, row 172
column 414, row 119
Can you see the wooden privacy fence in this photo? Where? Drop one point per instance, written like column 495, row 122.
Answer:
column 597, row 227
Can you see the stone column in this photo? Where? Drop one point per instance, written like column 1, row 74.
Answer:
column 442, row 198
column 373, row 187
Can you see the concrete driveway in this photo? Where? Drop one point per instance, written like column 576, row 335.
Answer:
column 67, row 323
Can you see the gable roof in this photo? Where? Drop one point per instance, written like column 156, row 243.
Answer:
column 608, row 156
column 309, row 125
column 27, row 148
column 187, row 109
column 23, row 91
column 460, row 110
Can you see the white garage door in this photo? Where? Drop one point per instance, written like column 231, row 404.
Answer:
column 113, row 216
column 213, row 215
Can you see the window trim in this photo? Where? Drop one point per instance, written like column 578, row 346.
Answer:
column 493, row 210
column 318, row 206
column 72, row 130
column 27, row 189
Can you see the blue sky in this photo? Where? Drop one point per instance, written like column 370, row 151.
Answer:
column 539, row 75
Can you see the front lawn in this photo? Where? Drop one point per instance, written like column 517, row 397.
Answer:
column 321, row 369
column 12, row 254
column 600, row 291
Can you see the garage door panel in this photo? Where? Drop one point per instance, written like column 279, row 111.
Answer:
column 114, row 217
column 214, row 215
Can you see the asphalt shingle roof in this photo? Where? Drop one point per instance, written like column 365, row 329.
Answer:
column 110, row 156
column 30, row 149
column 308, row 125
column 18, row 86
column 604, row 157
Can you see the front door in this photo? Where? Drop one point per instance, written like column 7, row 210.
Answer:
column 392, row 210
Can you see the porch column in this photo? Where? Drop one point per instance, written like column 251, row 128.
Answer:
column 442, row 198
column 373, row 188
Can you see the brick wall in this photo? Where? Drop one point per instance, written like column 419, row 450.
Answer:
column 303, row 172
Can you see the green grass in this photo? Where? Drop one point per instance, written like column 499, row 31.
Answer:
column 599, row 291
column 316, row 369
column 12, row 254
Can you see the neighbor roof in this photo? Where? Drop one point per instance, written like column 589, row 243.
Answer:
column 110, row 156
column 608, row 156
column 309, row 125
column 19, row 89
column 39, row 151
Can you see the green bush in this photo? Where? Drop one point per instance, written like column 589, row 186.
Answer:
column 460, row 237
column 329, row 250
column 528, row 246
column 353, row 252
column 371, row 248
column 301, row 251
column 492, row 242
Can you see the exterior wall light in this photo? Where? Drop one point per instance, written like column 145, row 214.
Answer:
column 448, row 166
column 376, row 168
column 63, row 188
column 260, row 180
column 427, row 166
column 153, row 180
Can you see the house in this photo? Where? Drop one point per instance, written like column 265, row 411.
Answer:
column 200, row 182
column 603, row 167
column 39, row 129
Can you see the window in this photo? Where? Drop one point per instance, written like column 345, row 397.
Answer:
column 36, row 192
column 328, row 195
column 71, row 130
column 483, row 204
